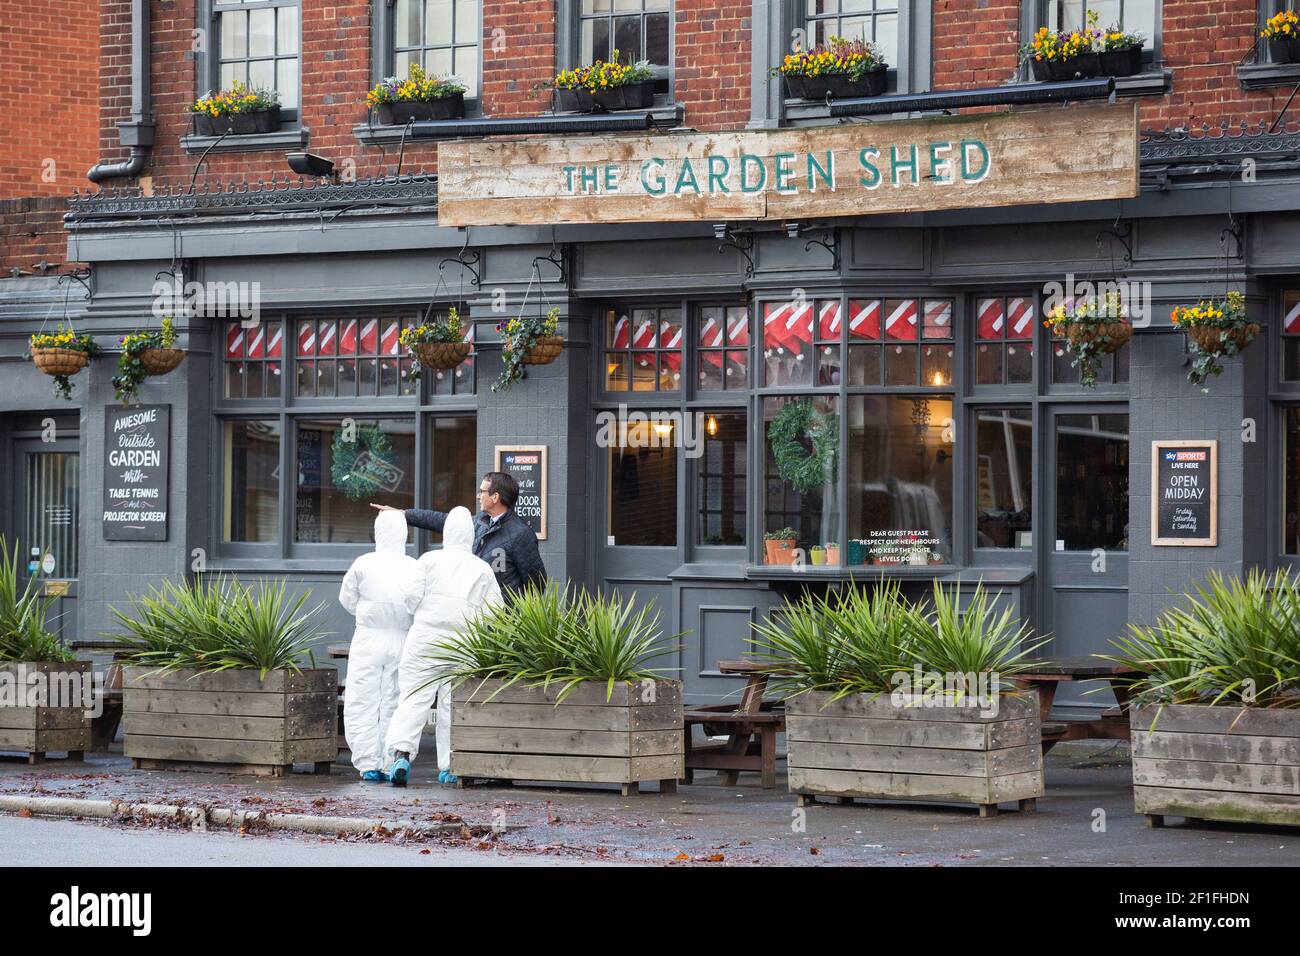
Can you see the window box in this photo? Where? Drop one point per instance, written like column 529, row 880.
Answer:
column 1284, row 50
column 1074, row 68
column 238, row 124
column 1121, row 62
column 838, row 86
column 36, row 731
column 399, row 114
column 633, row 96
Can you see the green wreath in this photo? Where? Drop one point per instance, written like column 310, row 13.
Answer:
column 358, row 467
column 798, row 425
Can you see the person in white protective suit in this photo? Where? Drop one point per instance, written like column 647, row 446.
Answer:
column 457, row 586
column 382, row 589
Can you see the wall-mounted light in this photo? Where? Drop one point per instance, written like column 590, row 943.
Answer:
column 711, row 426
column 310, row 164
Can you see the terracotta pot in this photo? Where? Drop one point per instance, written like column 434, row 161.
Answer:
column 1210, row 339
column 59, row 361
column 833, row 554
column 780, row 551
column 1116, row 334
column 546, row 349
column 161, row 361
column 441, row 355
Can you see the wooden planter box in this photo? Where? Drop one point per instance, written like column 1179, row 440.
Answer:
column 522, row 735
column 1216, row 763
column 230, row 720
column 864, row 746
column 39, row 730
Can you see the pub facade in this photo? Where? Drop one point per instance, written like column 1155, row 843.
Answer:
column 848, row 361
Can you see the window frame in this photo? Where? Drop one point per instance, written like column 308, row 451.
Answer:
column 421, row 408
column 1033, row 15
column 568, row 44
column 208, row 66
column 383, row 50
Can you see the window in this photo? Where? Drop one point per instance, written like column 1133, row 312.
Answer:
column 722, row 353
column 257, row 45
column 637, row 29
column 643, row 349
column 1291, row 479
column 1291, row 336
column 1131, row 16
column 900, row 454
column 643, row 485
column 900, row 342
column 251, row 484
column 1004, row 341
column 1111, row 369
column 351, row 357
column 720, row 479
column 442, row 36
column 873, row 21
column 812, row 511
column 254, row 365
column 1092, row 482
column 1004, row 463
column 343, row 464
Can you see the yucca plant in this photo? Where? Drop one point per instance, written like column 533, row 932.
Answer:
column 1235, row 642
column 559, row 637
column 23, row 614
column 219, row 624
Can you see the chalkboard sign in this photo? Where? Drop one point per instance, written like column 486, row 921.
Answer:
column 527, row 465
column 137, row 449
column 1185, row 493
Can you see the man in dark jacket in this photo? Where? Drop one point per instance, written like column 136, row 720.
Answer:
column 501, row 537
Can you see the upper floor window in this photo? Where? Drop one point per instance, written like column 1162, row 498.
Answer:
column 258, row 45
column 872, row 21
column 643, row 349
column 442, row 36
column 637, row 29
column 1130, row 16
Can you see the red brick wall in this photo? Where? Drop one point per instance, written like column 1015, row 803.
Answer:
column 49, row 96
column 31, row 231
column 712, row 52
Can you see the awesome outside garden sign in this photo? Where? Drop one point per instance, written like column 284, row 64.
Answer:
column 987, row 159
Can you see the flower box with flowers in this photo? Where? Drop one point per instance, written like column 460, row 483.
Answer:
column 839, row 69
column 147, row 353
column 527, row 340
column 419, row 97
column 1215, row 329
column 1282, row 34
column 238, row 111
column 605, row 87
column 1085, row 53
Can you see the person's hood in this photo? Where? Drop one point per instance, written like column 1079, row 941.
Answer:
column 458, row 531
column 390, row 532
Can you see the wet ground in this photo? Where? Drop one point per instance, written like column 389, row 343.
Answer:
column 1086, row 818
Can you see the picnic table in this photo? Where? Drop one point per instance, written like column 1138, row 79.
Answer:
column 751, row 729
column 1047, row 675
column 103, row 729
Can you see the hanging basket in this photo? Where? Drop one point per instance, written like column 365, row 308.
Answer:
column 59, row 361
column 1211, row 339
column 441, row 355
column 161, row 361
column 545, row 350
column 1106, row 336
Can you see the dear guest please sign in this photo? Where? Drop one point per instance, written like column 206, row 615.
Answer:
column 987, row 159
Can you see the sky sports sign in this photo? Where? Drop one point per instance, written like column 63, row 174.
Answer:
column 981, row 160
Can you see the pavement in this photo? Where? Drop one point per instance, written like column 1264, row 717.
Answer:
column 1086, row 818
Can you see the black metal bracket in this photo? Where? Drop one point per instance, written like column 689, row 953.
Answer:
column 558, row 257
column 831, row 244
column 81, row 276
column 1234, row 229
column 742, row 242
column 466, row 259
column 1121, row 232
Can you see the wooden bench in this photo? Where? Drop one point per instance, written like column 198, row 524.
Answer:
column 103, row 729
column 751, row 730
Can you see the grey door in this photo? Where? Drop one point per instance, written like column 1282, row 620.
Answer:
column 47, row 501
column 1085, row 551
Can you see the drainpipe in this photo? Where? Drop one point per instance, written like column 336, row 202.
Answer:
column 137, row 132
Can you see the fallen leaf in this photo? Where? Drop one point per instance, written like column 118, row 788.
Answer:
column 25, row 812
column 815, row 851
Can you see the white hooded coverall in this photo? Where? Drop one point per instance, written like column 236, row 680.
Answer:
column 457, row 585
column 382, row 589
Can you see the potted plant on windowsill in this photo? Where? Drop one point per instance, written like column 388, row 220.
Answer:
column 1215, row 714
column 778, row 546
column 837, row 69
column 146, row 353
column 418, row 97
column 238, row 110
column 1216, row 329
column 32, row 665
column 61, row 355
column 1121, row 53
column 604, row 86
column 436, row 345
column 557, row 686
column 1092, row 328
column 833, row 554
column 530, row 340
column 1282, row 34
column 209, row 660
column 888, row 699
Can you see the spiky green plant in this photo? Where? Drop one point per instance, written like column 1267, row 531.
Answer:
column 557, row 637
column 23, row 614
column 219, row 624
column 1235, row 642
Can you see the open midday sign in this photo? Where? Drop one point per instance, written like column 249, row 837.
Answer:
column 987, row 159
